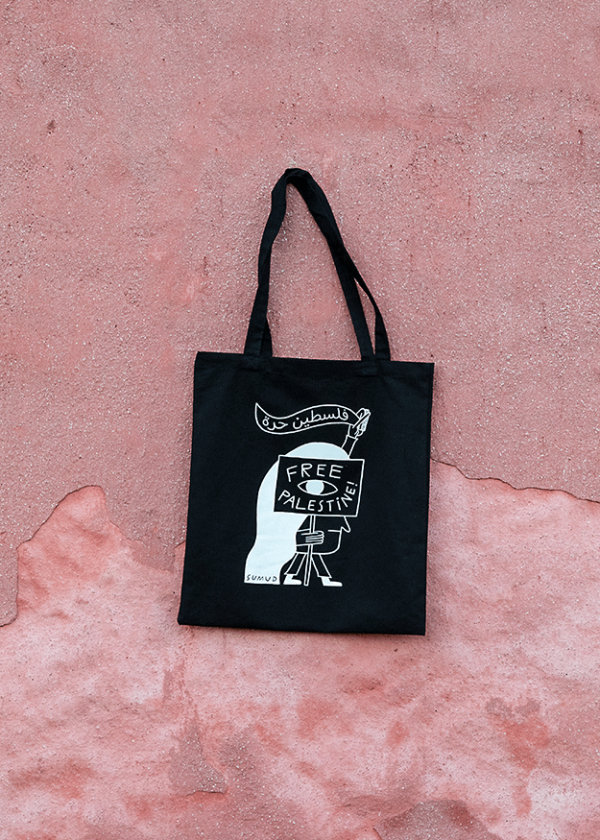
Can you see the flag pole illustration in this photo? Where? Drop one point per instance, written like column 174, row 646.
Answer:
column 355, row 431
column 307, row 498
column 309, row 553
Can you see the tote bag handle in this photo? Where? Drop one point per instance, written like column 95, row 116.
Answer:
column 258, row 340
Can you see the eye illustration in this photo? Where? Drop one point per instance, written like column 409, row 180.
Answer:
column 316, row 487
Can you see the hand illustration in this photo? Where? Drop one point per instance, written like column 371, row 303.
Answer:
column 359, row 427
column 310, row 538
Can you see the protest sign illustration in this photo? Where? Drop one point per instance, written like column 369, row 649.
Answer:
column 318, row 486
column 306, row 499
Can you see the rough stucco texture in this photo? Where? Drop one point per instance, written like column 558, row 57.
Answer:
column 459, row 144
column 119, row 723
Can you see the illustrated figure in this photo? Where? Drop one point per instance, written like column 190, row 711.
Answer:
column 290, row 545
column 317, row 536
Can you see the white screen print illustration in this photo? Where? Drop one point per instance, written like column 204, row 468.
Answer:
column 307, row 499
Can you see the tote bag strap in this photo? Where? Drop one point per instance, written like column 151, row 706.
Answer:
column 258, row 340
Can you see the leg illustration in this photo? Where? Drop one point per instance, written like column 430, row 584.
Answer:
column 293, row 570
column 323, row 572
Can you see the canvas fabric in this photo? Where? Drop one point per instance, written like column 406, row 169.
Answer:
column 309, row 481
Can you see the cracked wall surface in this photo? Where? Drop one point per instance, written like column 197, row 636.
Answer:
column 117, row 722
column 459, row 146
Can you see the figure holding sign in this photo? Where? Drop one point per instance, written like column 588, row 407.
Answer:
column 311, row 544
column 329, row 491
column 305, row 500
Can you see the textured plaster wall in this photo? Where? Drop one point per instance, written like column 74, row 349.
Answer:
column 459, row 144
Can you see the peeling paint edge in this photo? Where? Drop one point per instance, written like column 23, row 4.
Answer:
column 11, row 615
column 512, row 486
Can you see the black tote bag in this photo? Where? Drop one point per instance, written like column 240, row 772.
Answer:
column 309, row 479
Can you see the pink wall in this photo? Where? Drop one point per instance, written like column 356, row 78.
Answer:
column 459, row 144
